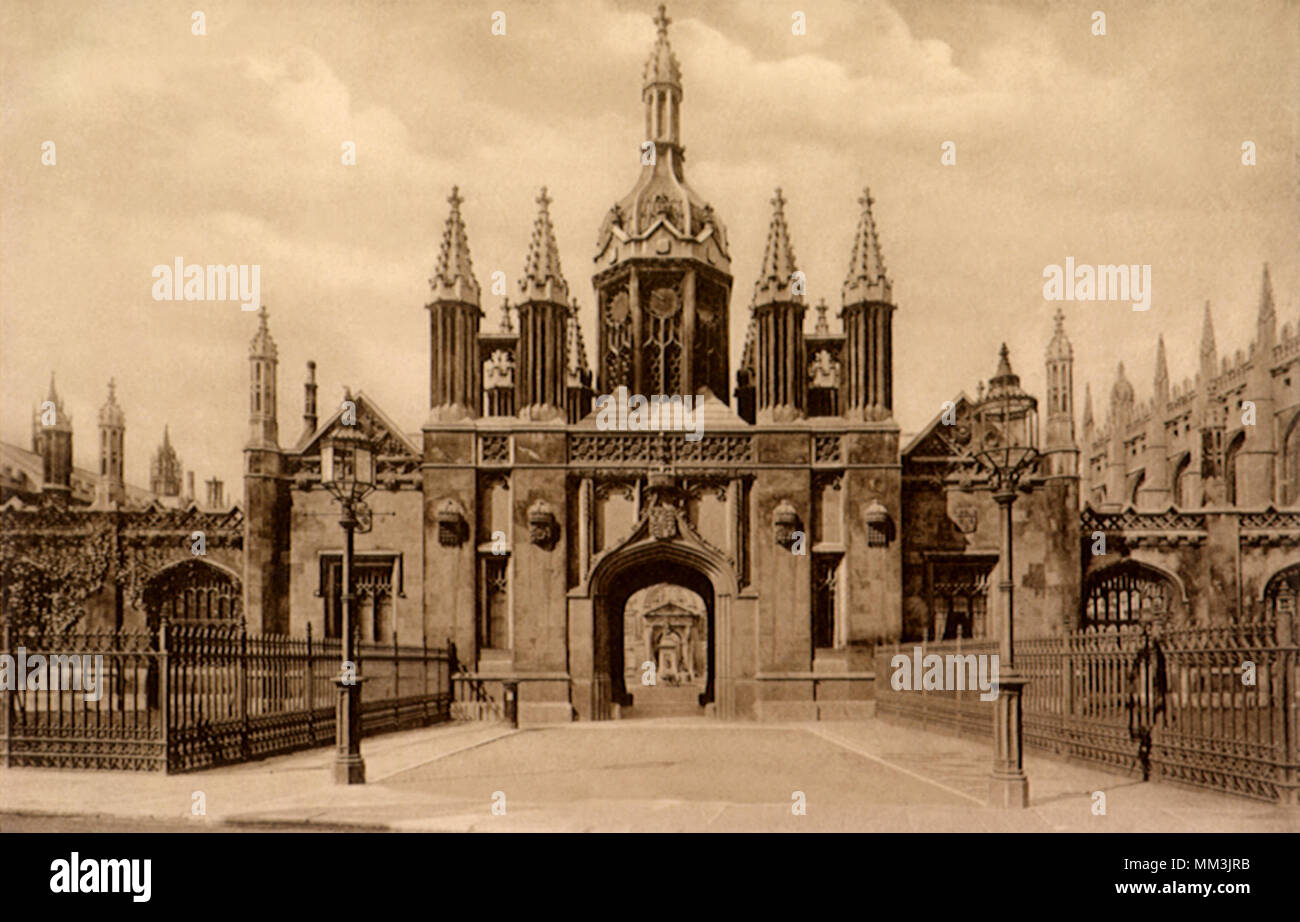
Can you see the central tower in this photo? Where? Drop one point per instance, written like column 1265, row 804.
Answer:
column 663, row 270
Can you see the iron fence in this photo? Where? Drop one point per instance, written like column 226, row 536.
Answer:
column 193, row 695
column 1215, row 707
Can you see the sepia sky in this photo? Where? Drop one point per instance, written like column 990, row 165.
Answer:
column 225, row 148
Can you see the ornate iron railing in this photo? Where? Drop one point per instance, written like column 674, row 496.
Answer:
column 194, row 695
column 1215, row 707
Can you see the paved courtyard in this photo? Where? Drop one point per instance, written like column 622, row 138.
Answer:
column 685, row 774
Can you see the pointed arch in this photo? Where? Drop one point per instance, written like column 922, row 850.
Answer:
column 1129, row 592
column 1290, row 492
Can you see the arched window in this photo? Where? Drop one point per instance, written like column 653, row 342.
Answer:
column 193, row 591
column 1230, row 469
column 1128, row 593
column 1291, row 464
column 1183, row 498
column 1281, row 594
column 1137, row 486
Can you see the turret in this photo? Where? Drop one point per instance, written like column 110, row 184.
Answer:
column 1156, row 491
column 309, row 417
column 110, row 489
column 1121, row 411
column 778, row 313
column 1060, row 441
column 165, row 471
column 663, row 267
column 455, row 389
column 52, row 440
column 540, row 386
column 868, row 310
column 1254, row 476
column 263, row 357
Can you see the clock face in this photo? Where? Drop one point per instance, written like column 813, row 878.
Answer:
column 618, row 308
column 663, row 302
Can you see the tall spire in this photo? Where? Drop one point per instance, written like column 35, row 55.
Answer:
column 1059, row 347
column 661, row 92
column 1207, row 333
column 822, row 328
column 453, row 278
column 575, row 348
column 866, row 280
column 542, row 279
column 262, row 344
column 775, row 277
column 110, row 414
column 661, row 68
column 1087, row 406
column 1162, row 365
column 1267, row 313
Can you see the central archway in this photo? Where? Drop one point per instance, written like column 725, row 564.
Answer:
column 623, row 573
column 610, row 625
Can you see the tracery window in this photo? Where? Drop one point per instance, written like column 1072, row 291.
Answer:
column 1128, row 593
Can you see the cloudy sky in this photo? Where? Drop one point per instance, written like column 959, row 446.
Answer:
column 225, row 148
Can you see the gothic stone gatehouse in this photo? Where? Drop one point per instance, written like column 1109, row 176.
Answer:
column 517, row 528
column 514, row 526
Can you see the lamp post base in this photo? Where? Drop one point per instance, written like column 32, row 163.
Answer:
column 1009, row 786
column 350, row 769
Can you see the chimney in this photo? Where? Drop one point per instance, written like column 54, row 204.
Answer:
column 189, row 486
column 215, row 488
column 309, row 399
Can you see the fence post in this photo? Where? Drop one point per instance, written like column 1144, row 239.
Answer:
column 243, row 680
column 424, row 670
column 397, row 687
column 1290, row 787
column 311, row 691
column 164, row 693
column 5, row 727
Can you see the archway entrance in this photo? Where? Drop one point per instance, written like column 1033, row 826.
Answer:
column 656, row 622
column 665, row 652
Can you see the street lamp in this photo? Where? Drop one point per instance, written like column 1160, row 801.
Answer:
column 1007, row 426
column 347, row 470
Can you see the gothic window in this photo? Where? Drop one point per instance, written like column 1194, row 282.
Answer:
column 1282, row 594
column 617, row 347
column 1128, row 593
column 494, row 606
column 193, row 591
column 376, row 578
column 662, row 352
column 1291, row 464
column 825, row 586
column 959, row 598
column 1183, row 498
column 1230, row 469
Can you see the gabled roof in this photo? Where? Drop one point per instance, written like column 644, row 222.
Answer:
column 934, row 429
column 374, row 422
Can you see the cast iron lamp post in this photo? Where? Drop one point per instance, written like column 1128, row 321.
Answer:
column 347, row 470
column 1007, row 419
